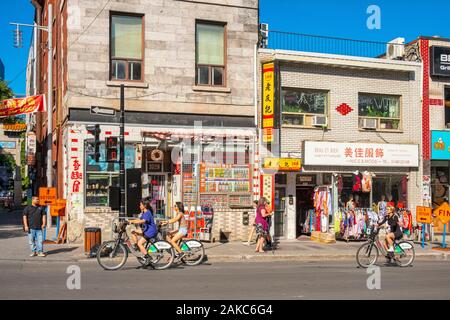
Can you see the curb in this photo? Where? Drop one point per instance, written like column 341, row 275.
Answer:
column 274, row 257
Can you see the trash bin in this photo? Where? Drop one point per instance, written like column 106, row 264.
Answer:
column 92, row 241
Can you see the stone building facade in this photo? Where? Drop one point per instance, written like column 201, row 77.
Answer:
column 165, row 95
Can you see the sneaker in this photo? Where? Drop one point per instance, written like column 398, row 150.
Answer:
column 41, row 254
column 180, row 256
column 34, row 254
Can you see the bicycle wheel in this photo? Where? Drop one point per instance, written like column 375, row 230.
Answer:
column 367, row 255
column 195, row 254
column 407, row 254
column 162, row 258
column 111, row 256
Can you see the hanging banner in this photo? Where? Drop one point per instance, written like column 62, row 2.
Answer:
column 267, row 101
column 268, row 188
column 14, row 107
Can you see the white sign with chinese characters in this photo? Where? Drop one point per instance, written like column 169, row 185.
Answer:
column 326, row 153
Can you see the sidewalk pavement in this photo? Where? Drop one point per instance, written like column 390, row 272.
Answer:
column 14, row 246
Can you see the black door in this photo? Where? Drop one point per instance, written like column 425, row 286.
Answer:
column 134, row 191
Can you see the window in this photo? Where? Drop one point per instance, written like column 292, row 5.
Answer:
column 102, row 175
column 126, row 47
column 300, row 106
column 210, row 54
column 447, row 107
column 379, row 112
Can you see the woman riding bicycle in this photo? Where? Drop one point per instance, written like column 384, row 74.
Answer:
column 149, row 231
column 176, row 234
column 395, row 232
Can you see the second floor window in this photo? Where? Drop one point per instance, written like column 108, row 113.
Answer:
column 210, row 54
column 126, row 47
column 301, row 106
column 379, row 112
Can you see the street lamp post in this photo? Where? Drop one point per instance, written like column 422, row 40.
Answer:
column 49, row 30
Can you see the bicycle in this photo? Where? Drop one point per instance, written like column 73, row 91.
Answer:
column 193, row 250
column 113, row 254
column 367, row 254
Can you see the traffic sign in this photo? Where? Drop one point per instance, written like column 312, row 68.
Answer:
column 443, row 212
column 423, row 214
column 47, row 196
column 103, row 111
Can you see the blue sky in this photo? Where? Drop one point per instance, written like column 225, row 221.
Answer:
column 339, row 18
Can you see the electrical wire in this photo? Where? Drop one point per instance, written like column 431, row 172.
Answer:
column 89, row 25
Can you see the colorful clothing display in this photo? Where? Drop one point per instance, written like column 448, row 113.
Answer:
column 366, row 182
column 353, row 224
column 323, row 205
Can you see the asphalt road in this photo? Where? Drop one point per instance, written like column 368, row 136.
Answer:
column 244, row 280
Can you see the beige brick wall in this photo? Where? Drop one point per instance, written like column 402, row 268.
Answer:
column 344, row 82
column 169, row 56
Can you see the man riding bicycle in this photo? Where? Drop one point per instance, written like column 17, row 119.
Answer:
column 149, row 230
column 395, row 232
column 177, row 234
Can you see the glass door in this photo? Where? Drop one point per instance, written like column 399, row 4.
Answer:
column 158, row 193
column 280, row 194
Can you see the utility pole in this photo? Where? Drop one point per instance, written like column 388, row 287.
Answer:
column 122, row 152
column 50, row 100
column 49, row 30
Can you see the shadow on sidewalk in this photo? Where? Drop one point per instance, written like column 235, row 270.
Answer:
column 60, row 250
column 8, row 234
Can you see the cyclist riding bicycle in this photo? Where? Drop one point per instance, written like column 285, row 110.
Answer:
column 149, row 230
column 395, row 232
column 177, row 234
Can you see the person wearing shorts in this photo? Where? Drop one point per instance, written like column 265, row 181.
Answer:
column 182, row 230
column 395, row 232
column 150, row 230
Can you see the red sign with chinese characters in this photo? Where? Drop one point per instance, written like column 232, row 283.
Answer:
column 76, row 175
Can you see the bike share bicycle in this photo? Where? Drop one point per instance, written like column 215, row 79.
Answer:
column 194, row 251
column 367, row 254
column 113, row 254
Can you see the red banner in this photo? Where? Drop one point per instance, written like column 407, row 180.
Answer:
column 14, row 107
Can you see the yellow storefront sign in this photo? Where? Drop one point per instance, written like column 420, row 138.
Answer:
column 267, row 100
column 282, row 164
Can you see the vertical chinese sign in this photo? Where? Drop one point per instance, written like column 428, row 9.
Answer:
column 268, row 188
column 76, row 175
column 267, row 102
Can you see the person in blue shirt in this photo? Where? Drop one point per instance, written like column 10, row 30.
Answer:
column 149, row 228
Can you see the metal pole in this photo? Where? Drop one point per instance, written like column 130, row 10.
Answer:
column 122, row 152
column 50, row 107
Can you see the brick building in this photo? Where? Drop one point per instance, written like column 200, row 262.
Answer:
column 343, row 116
column 434, row 52
column 181, row 61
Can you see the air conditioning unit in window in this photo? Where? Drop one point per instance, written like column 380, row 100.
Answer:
column 320, row 121
column 395, row 49
column 370, row 123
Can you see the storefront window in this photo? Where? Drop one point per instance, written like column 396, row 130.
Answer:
column 102, row 175
column 300, row 106
column 379, row 112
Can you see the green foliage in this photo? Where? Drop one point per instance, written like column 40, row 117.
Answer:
column 5, row 91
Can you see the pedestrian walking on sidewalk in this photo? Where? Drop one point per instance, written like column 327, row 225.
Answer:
column 262, row 227
column 34, row 222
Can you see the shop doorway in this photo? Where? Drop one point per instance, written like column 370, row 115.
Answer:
column 305, row 202
column 280, row 194
column 158, row 193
